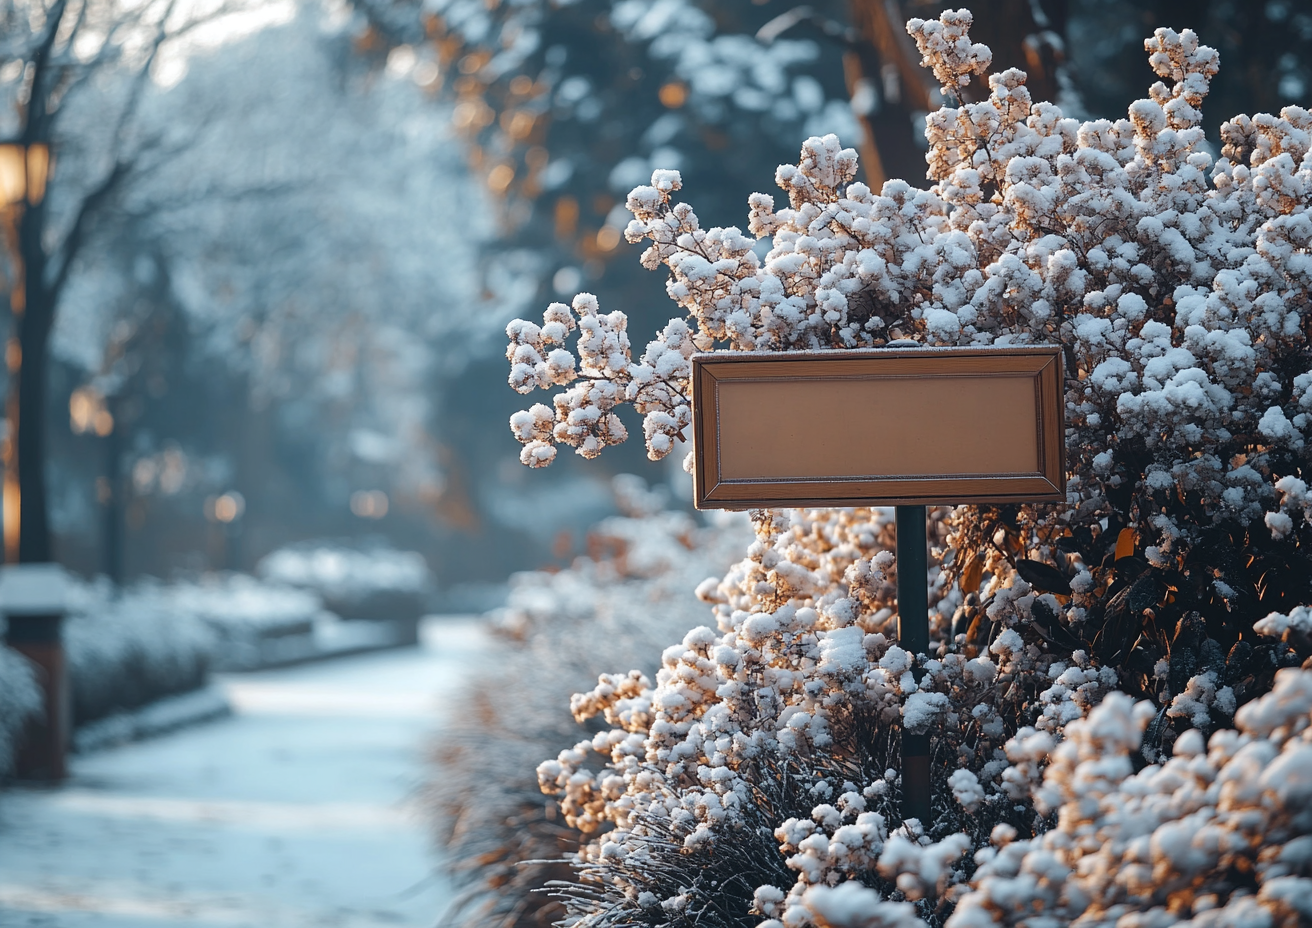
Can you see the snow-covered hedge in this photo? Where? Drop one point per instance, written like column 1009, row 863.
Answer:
column 127, row 651
column 254, row 622
column 156, row 639
column 20, row 700
column 559, row 631
column 1141, row 625
column 376, row 583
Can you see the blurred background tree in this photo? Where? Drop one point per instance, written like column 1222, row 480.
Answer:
column 293, row 288
column 72, row 76
column 267, row 312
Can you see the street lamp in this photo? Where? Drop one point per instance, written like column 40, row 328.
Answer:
column 24, row 170
column 227, row 510
column 31, row 595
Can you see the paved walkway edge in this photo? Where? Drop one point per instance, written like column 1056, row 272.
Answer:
column 154, row 719
column 347, row 639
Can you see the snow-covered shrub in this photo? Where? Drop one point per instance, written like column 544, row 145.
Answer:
column 1222, row 831
column 377, row 583
column 126, row 651
column 616, row 608
column 1178, row 572
column 234, row 602
column 253, row 621
column 20, row 701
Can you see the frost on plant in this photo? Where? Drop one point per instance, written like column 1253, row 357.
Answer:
column 20, row 702
column 1174, row 578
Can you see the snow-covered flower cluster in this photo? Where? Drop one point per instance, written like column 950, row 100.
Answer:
column 1177, row 572
column 616, row 607
column 782, row 722
column 1220, row 834
column 948, row 51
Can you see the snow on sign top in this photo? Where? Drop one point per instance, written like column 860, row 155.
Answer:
column 883, row 426
column 33, row 589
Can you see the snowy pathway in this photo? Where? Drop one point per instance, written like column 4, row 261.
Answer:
column 297, row 811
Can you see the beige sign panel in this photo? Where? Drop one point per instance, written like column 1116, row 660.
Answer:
column 918, row 426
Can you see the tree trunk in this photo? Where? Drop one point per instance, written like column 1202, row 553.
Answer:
column 33, row 312
column 884, row 68
column 1023, row 34
column 111, row 498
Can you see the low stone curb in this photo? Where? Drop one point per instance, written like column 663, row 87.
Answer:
column 342, row 638
column 157, row 718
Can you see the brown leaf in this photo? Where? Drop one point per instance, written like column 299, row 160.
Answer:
column 972, row 575
column 1126, row 542
column 1043, row 576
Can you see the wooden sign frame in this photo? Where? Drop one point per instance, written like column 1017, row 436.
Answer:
column 944, row 426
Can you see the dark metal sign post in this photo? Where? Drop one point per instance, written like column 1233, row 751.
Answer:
column 882, row 427
column 913, row 635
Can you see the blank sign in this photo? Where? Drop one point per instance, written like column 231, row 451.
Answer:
column 878, row 427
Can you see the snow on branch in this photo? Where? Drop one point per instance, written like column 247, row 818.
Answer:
column 1154, row 622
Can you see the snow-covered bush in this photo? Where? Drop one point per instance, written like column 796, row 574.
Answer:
column 1222, row 831
column 20, row 701
column 755, row 775
column 154, row 639
column 238, row 603
column 615, row 608
column 378, row 583
column 126, row 651
column 253, row 622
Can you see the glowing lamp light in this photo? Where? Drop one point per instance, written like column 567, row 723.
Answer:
column 227, row 508
column 500, row 178
column 87, row 413
column 673, row 95
column 369, row 504
column 24, row 170
column 521, row 125
column 608, row 238
column 82, row 411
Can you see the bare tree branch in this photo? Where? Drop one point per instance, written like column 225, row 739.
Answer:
column 77, row 232
column 36, row 124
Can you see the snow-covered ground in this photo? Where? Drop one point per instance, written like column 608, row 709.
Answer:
column 296, row 811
